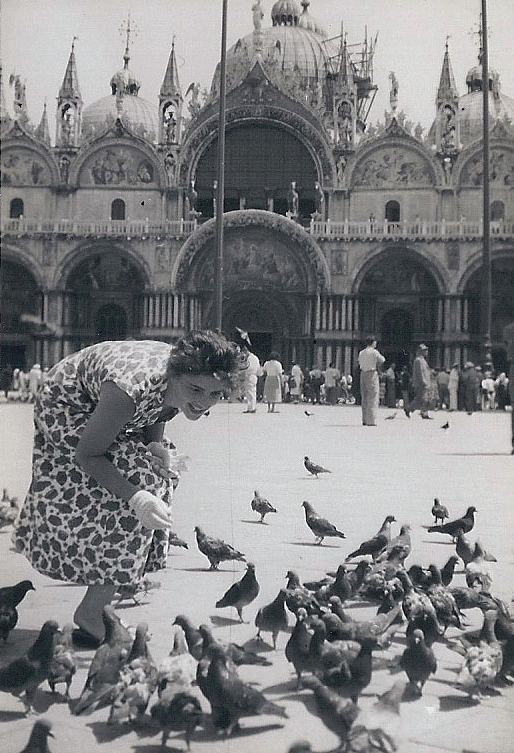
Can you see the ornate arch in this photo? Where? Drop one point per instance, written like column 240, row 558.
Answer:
column 407, row 175
column 114, row 139
column 312, row 259
column 25, row 259
column 430, row 264
column 17, row 139
column 470, row 161
column 204, row 135
column 475, row 262
column 86, row 249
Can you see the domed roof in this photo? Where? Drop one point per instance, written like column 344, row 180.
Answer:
column 138, row 114
column 470, row 112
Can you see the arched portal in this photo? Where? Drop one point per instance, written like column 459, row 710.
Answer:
column 103, row 298
column 21, row 309
column 260, row 162
column 398, row 302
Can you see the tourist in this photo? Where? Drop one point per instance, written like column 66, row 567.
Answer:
column 296, row 383
column 316, row 381
column 98, row 511
column 470, row 383
column 332, row 377
column 250, row 379
column 35, row 379
column 272, row 370
column 6, row 374
column 443, row 379
column 453, row 386
column 508, row 339
column 370, row 360
column 488, row 390
column 421, row 381
column 502, row 391
column 390, row 396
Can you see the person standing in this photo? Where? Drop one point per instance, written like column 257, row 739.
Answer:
column 443, row 379
column 508, row 339
column 35, row 378
column 370, row 360
column 332, row 377
column 273, row 383
column 6, row 375
column 250, row 380
column 296, row 383
column 421, row 380
column 390, row 396
column 471, row 385
column 453, row 387
column 316, row 380
column 405, row 385
column 502, row 391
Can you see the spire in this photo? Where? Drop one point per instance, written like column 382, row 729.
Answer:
column 171, row 84
column 447, row 87
column 346, row 70
column 70, row 84
column 42, row 132
column 5, row 118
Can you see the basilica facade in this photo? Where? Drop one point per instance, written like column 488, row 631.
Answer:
column 333, row 228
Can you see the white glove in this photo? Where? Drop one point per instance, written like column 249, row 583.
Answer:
column 150, row 510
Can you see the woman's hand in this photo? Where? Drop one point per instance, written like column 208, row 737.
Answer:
column 161, row 460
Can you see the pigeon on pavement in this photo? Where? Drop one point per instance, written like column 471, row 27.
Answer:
column 353, row 676
column 298, row 596
column 443, row 601
column 261, row 505
column 109, row 658
column 297, row 647
column 216, row 550
column 482, row 662
column 38, row 740
column 181, row 712
column 25, row 674
column 465, row 523
column 439, row 511
column 313, row 468
column 237, row 654
column 336, row 713
column 272, row 618
column 10, row 598
column 418, row 661
column 391, row 416
column 138, row 680
column 177, row 671
column 9, row 509
column 340, row 587
column 131, row 590
column 193, row 636
column 445, row 426
column 377, row 544
column 242, row 593
column 320, row 527
column 448, row 570
column 64, row 662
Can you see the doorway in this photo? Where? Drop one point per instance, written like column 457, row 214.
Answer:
column 110, row 323
column 397, row 328
column 262, row 344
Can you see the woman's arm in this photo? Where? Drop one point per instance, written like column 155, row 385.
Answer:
column 115, row 408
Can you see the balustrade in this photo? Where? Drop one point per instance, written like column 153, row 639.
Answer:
column 128, row 228
column 418, row 229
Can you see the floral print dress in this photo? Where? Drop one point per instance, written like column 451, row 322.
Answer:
column 71, row 528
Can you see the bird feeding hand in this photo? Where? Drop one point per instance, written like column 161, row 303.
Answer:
column 150, row 510
column 162, row 463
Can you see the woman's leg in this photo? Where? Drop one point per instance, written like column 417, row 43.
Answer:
column 88, row 614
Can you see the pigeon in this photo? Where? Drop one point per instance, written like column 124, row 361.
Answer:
column 337, row 714
column 427, row 622
column 242, row 593
column 25, row 674
column 357, row 576
column 109, row 658
column 131, row 590
column 414, row 603
column 193, row 636
column 463, row 547
column 137, row 682
column 10, row 598
column 308, row 413
column 445, row 426
column 219, row 714
column 261, row 505
column 181, row 712
column 443, row 601
column 340, row 587
column 391, row 416
column 174, row 540
column 478, row 569
column 297, row 647
column 483, row 662
column 234, row 696
column 401, row 545
column 177, row 671
column 466, row 597
column 236, row 653
column 375, row 629
column 439, row 511
column 465, row 523
column 272, row 618
column 38, row 740
column 64, row 663
column 313, row 468
column 354, row 675
column 420, row 577
column 377, row 544
column 448, row 570
column 319, row 526
column 298, row 596
column 216, row 550
column 326, row 654
column 418, row 661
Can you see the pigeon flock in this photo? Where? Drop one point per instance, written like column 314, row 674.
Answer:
column 332, row 653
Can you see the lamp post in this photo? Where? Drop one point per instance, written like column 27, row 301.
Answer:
column 486, row 250
column 220, row 188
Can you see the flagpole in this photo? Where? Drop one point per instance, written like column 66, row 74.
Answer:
column 220, row 190
column 486, row 250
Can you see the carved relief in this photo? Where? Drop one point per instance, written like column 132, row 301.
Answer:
column 161, row 258
column 117, row 165
column 23, row 167
column 339, row 264
column 48, row 252
column 453, row 255
column 393, row 167
column 501, row 169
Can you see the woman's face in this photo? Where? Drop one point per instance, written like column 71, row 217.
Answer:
column 193, row 394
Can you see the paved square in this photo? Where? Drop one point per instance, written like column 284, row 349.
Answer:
column 396, row 467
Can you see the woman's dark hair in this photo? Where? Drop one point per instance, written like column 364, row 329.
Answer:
column 274, row 356
column 203, row 351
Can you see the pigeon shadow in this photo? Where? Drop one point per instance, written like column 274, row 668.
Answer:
column 107, row 733
column 12, row 716
column 313, row 543
column 259, row 646
column 158, row 748
column 223, row 621
column 281, row 688
column 202, row 570
column 456, row 703
column 258, row 522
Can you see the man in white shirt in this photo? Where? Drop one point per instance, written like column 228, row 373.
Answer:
column 250, row 380
column 370, row 361
column 332, row 377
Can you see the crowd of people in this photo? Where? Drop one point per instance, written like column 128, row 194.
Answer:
column 20, row 384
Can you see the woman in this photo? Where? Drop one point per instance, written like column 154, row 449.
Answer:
column 453, row 386
column 295, row 383
column 98, row 511
column 272, row 385
column 502, row 391
column 390, row 396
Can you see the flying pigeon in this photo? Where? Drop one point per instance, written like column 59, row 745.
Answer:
column 244, row 335
column 313, row 468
